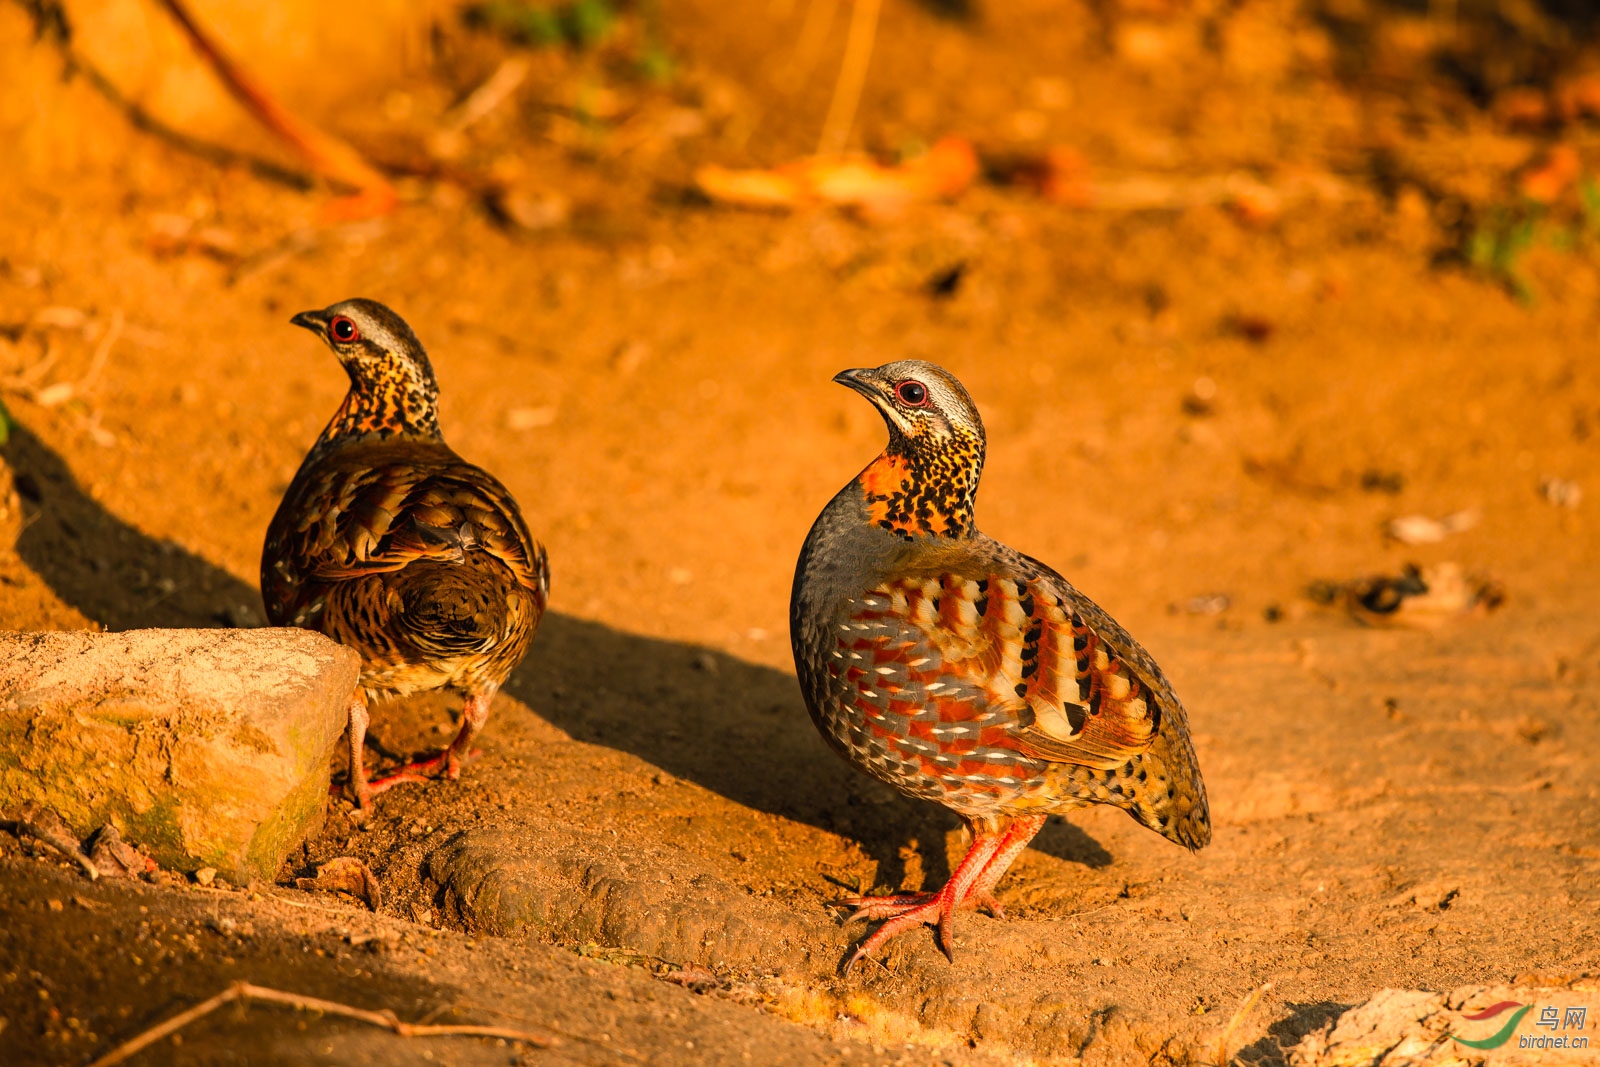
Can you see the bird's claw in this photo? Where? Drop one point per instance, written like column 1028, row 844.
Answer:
column 936, row 910
column 989, row 904
column 870, row 909
column 445, row 764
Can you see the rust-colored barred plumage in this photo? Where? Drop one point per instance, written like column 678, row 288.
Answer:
column 389, row 542
column 961, row 671
column 961, row 675
column 995, row 695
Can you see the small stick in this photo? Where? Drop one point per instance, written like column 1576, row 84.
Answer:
column 246, row 991
column 343, row 913
column 328, row 155
column 102, row 351
column 32, row 374
column 852, row 77
column 506, row 79
column 818, row 20
column 56, row 840
column 1238, row 1017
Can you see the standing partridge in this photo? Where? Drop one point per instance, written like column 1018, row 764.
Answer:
column 958, row 670
column 389, row 542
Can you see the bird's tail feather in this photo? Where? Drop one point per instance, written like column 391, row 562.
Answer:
column 448, row 609
column 1171, row 799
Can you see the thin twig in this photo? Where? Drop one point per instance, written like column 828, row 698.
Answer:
column 808, row 46
column 329, row 156
column 505, row 80
column 852, row 77
column 1238, row 1017
column 220, row 155
column 341, row 912
column 102, row 351
column 246, row 991
column 25, row 380
column 55, row 839
column 51, row 24
column 177, row 1022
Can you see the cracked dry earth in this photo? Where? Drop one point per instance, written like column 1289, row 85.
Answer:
column 646, row 855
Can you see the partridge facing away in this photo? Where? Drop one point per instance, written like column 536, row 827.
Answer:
column 961, row 671
column 389, row 542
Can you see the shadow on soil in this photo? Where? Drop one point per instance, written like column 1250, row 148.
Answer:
column 735, row 728
column 115, row 574
column 1286, row 1033
column 740, row 730
column 112, row 992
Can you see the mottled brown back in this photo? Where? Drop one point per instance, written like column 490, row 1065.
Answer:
column 412, row 556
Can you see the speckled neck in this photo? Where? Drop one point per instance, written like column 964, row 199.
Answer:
column 925, row 486
column 391, row 404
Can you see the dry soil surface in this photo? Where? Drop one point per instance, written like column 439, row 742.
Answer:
column 1193, row 417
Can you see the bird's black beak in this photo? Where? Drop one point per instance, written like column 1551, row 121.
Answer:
column 314, row 321
column 861, row 380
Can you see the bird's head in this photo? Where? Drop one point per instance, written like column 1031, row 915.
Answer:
column 921, row 401
column 392, row 388
column 926, row 480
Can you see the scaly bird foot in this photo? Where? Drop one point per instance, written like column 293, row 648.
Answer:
column 967, row 887
column 988, row 903
column 445, row 764
column 936, row 910
column 871, row 909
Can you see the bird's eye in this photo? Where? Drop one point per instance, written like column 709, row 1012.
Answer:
column 343, row 330
column 912, row 394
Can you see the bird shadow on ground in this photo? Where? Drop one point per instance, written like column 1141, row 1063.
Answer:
column 736, row 728
column 112, row 572
column 1284, row 1034
column 741, row 730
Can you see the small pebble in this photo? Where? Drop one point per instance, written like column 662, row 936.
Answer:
column 530, row 418
column 1562, row 492
column 1208, row 604
column 205, row 875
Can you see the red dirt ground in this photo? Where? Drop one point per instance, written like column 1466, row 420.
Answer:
column 1183, row 404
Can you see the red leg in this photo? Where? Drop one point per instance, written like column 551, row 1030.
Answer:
column 971, row 886
column 940, row 908
column 1013, row 844
column 448, row 763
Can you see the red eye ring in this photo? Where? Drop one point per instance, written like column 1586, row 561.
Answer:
column 912, row 393
column 343, row 329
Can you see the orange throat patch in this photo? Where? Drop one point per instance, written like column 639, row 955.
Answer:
column 927, row 493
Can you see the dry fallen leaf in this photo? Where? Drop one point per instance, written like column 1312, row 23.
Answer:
column 1422, row 530
column 114, row 857
column 878, row 191
column 345, row 874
